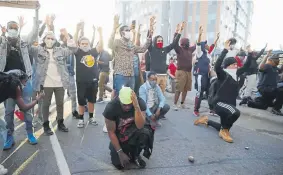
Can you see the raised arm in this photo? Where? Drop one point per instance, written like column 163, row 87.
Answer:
column 176, row 39
column 93, row 36
column 261, row 65
column 112, row 42
column 218, row 69
column 247, row 64
column 100, row 43
column 32, row 36
column 198, row 46
column 261, row 52
column 138, row 36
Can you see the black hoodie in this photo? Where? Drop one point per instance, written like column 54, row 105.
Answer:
column 158, row 56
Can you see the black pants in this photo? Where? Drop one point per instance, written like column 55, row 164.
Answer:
column 201, row 85
column 229, row 114
column 267, row 98
column 163, row 110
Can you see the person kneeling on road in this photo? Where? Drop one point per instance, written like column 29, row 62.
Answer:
column 128, row 130
column 152, row 94
column 222, row 96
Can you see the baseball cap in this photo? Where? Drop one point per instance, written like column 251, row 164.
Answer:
column 125, row 95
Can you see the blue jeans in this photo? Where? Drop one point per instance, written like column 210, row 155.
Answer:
column 120, row 80
column 10, row 108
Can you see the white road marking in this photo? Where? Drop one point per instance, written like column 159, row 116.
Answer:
column 59, row 155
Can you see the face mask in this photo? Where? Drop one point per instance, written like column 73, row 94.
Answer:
column 232, row 47
column 13, row 33
column 127, row 35
column 49, row 43
column 152, row 83
column 232, row 73
column 159, row 45
column 85, row 48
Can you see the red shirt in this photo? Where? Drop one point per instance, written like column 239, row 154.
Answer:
column 172, row 67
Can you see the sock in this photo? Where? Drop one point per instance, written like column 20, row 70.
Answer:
column 90, row 115
column 182, row 103
column 81, row 117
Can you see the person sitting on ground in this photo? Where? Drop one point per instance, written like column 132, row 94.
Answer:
column 127, row 129
column 152, row 94
column 223, row 93
column 267, row 86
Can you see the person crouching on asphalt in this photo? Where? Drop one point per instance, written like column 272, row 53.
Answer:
column 128, row 130
column 152, row 94
column 222, row 96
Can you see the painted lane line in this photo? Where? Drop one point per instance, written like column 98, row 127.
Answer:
column 25, row 164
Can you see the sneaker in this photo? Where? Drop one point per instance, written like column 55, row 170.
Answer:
column 202, row 120
column 158, row 124
column 104, row 129
column 105, row 96
column 3, row 170
column 10, row 142
column 140, row 162
column 211, row 112
column 225, row 135
column 93, row 121
column 175, row 107
column 47, row 129
column 100, row 100
column 162, row 117
column 276, row 112
column 196, row 113
column 81, row 124
column 32, row 140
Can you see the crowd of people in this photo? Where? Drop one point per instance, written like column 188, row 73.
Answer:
column 31, row 72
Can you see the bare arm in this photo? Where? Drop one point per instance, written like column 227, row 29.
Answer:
column 21, row 103
column 100, row 43
column 93, row 37
column 139, row 117
column 111, row 128
column 261, row 65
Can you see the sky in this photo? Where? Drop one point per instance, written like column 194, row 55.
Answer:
column 68, row 13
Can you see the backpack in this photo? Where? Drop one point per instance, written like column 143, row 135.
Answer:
column 213, row 89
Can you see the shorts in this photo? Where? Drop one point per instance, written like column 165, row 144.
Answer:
column 183, row 81
column 162, row 81
column 86, row 91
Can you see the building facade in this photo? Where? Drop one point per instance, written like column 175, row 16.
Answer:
column 230, row 18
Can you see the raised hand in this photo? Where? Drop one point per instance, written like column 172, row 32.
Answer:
column 3, row 29
column 178, row 27
column 64, row 32
column 265, row 46
column 152, row 22
column 21, row 21
column 99, row 29
column 269, row 52
column 200, row 30
column 218, row 35
column 139, row 28
column 52, row 18
column 94, row 28
column 80, row 25
column 182, row 26
column 116, row 22
column 227, row 44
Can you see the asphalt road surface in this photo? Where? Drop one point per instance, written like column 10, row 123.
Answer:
column 85, row 151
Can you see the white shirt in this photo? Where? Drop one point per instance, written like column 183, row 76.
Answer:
column 150, row 98
column 53, row 78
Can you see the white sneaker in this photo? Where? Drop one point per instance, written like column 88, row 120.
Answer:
column 93, row 121
column 175, row 107
column 81, row 124
column 183, row 106
column 105, row 129
column 3, row 170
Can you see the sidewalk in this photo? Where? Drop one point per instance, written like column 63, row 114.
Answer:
column 245, row 111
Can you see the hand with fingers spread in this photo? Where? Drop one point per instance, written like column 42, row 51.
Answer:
column 3, row 29
column 80, row 25
column 182, row 26
column 21, row 21
column 151, row 25
column 99, row 29
column 227, row 44
column 52, row 18
column 178, row 28
column 116, row 22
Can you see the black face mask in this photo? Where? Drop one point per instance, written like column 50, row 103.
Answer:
column 187, row 45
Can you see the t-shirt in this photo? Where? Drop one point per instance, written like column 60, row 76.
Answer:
column 53, row 78
column 172, row 67
column 114, row 112
column 14, row 61
column 86, row 65
column 268, row 77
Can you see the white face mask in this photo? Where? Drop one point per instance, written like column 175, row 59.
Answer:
column 232, row 47
column 49, row 43
column 231, row 72
column 127, row 35
column 85, row 48
column 12, row 33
